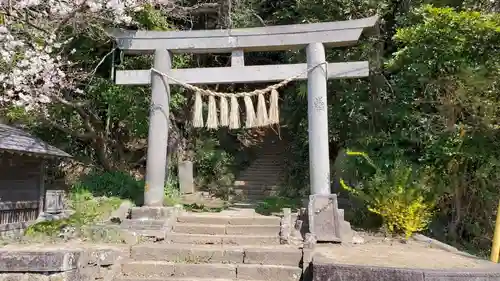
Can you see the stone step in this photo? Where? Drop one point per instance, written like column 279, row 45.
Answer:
column 122, row 278
column 251, row 191
column 142, row 224
column 253, row 184
column 262, row 169
column 204, row 239
column 278, row 255
column 219, row 229
column 233, row 220
column 155, row 269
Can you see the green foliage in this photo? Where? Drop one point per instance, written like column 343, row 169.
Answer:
column 215, row 167
column 399, row 195
column 275, row 204
column 110, row 184
column 87, row 210
column 172, row 193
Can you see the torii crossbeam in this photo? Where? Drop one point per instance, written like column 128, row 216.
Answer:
column 313, row 37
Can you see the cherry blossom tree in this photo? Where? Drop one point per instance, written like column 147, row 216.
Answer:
column 36, row 39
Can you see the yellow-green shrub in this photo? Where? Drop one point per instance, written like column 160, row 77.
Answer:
column 399, row 196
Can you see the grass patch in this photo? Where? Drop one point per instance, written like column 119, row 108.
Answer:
column 275, row 204
column 87, row 211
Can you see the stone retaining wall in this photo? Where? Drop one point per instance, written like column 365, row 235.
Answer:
column 70, row 264
column 323, row 270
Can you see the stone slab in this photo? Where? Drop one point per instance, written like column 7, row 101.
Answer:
column 202, row 219
column 324, row 218
column 168, row 269
column 232, row 220
column 187, row 253
column 462, row 275
column 147, row 269
column 106, row 256
column 171, row 279
column 250, row 240
column 196, row 239
column 186, row 178
column 39, row 260
column 278, row 256
column 212, row 229
column 208, row 271
column 335, row 272
column 253, row 229
column 338, row 272
column 143, row 224
column 257, row 220
column 152, row 212
column 268, row 272
column 72, row 275
column 203, row 239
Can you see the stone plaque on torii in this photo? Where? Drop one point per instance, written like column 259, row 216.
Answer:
column 325, row 220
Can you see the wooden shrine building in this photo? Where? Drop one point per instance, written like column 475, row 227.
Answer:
column 22, row 176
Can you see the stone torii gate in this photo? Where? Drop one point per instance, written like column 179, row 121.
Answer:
column 163, row 44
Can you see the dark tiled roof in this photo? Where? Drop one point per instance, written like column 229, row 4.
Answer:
column 16, row 140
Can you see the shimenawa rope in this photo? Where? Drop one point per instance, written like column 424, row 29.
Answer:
column 230, row 115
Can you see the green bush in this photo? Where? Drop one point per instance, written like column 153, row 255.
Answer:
column 400, row 195
column 111, row 184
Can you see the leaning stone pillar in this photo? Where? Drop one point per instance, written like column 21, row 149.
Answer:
column 158, row 132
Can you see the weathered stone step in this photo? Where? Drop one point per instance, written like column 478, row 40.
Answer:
column 252, row 191
column 142, row 224
column 262, row 170
column 220, row 229
column 233, row 220
column 204, row 239
column 260, row 181
column 279, row 255
column 211, row 271
column 170, row 279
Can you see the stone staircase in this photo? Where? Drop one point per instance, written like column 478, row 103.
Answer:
column 227, row 246
column 262, row 177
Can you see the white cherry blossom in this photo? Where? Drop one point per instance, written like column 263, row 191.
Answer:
column 34, row 67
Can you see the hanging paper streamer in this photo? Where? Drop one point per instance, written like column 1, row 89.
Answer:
column 198, row 111
column 274, row 116
column 212, row 113
column 249, row 112
column 224, row 112
column 262, row 119
column 234, row 115
column 227, row 113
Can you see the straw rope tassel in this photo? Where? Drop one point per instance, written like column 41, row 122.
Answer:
column 274, row 115
column 234, row 114
column 198, row 111
column 224, row 112
column 212, row 113
column 250, row 112
column 262, row 119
